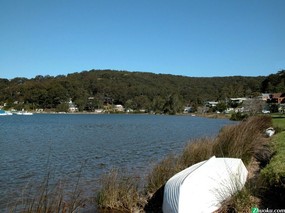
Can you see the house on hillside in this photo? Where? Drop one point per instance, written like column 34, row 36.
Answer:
column 119, row 108
column 211, row 103
column 72, row 107
column 277, row 98
column 187, row 109
column 238, row 100
column 264, row 96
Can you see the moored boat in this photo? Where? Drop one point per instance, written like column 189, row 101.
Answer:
column 3, row 113
column 24, row 113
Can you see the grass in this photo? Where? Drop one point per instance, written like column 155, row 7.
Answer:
column 196, row 151
column 118, row 192
column 274, row 172
column 272, row 177
column 245, row 140
column 161, row 172
column 279, row 122
column 50, row 197
column 240, row 201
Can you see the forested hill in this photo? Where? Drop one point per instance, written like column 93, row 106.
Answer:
column 274, row 83
column 94, row 88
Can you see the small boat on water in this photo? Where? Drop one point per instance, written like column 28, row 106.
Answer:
column 203, row 186
column 3, row 113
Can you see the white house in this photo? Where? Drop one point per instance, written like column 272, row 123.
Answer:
column 72, row 107
column 119, row 108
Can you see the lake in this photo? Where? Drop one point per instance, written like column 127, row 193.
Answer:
column 64, row 145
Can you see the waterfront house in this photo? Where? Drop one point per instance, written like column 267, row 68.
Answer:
column 119, row 108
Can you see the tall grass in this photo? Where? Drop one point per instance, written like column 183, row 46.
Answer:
column 195, row 151
column 241, row 200
column 49, row 197
column 161, row 172
column 245, row 140
column 118, row 192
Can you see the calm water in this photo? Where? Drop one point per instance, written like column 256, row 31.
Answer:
column 30, row 146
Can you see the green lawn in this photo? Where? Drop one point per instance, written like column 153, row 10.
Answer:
column 279, row 121
column 274, row 172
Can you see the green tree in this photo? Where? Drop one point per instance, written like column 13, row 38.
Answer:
column 62, row 107
column 173, row 105
column 221, row 106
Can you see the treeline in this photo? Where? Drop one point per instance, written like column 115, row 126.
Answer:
column 94, row 89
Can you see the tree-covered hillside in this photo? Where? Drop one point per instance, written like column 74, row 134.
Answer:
column 136, row 90
column 274, row 83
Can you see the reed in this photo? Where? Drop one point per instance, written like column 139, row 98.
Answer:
column 118, row 192
column 195, row 151
column 240, row 200
column 161, row 172
column 50, row 196
column 245, row 140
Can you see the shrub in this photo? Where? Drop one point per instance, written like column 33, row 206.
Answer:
column 238, row 116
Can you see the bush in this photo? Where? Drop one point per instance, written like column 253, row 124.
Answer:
column 238, row 116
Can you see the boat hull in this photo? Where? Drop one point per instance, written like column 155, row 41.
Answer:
column 203, row 186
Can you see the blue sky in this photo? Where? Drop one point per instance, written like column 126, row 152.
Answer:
column 181, row 37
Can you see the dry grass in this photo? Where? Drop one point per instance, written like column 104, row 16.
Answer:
column 244, row 140
column 118, row 192
column 196, row 151
column 49, row 198
column 240, row 201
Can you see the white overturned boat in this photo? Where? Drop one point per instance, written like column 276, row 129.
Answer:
column 270, row 131
column 203, row 186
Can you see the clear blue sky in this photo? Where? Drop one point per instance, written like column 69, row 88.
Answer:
column 182, row 37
